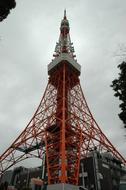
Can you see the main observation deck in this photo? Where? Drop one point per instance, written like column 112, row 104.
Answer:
column 64, row 57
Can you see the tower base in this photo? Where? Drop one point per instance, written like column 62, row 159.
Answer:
column 62, row 186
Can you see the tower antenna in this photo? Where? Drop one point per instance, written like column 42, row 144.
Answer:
column 64, row 13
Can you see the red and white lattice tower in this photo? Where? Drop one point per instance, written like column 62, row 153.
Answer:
column 63, row 127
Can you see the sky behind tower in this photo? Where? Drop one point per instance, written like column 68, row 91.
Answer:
column 28, row 38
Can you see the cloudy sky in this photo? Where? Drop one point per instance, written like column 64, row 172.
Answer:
column 27, row 41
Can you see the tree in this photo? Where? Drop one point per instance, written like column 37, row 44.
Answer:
column 119, row 86
column 5, row 7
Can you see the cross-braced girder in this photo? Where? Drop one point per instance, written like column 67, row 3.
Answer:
column 62, row 127
column 73, row 111
column 31, row 142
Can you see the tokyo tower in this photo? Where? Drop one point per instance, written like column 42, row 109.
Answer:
column 63, row 127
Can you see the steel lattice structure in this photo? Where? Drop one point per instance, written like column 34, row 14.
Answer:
column 63, row 127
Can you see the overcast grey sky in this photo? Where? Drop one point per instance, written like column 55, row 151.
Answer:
column 28, row 38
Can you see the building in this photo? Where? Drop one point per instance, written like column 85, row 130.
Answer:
column 97, row 172
column 122, row 183
column 101, row 172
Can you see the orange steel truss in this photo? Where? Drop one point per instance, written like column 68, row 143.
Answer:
column 62, row 128
column 64, row 135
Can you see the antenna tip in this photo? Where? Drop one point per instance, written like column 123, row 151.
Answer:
column 64, row 13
